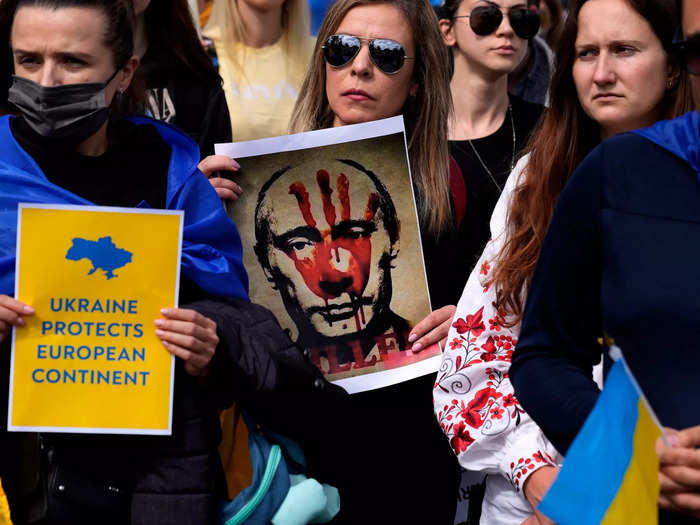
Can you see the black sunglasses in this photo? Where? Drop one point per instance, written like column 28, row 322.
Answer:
column 485, row 19
column 387, row 55
column 688, row 53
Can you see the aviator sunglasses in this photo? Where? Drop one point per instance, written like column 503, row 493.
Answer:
column 485, row 19
column 387, row 55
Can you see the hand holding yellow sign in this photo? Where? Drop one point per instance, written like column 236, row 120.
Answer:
column 89, row 358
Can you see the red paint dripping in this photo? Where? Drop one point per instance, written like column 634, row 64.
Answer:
column 344, row 197
column 372, row 206
column 323, row 181
column 299, row 191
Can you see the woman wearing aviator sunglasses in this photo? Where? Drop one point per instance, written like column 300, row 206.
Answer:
column 488, row 129
column 375, row 60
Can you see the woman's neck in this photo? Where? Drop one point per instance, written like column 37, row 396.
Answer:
column 480, row 102
column 95, row 145
column 140, row 38
column 263, row 27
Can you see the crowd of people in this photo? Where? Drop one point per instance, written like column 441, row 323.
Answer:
column 554, row 152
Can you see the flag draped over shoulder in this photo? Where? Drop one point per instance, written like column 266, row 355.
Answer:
column 212, row 254
column 611, row 471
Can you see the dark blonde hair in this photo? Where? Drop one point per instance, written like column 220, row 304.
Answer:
column 567, row 135
column 426, row 115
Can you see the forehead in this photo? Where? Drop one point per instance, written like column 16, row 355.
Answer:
column 70, row 29
column 377, row 21
column 282, row 198
column 470, row 4
column 611, row 20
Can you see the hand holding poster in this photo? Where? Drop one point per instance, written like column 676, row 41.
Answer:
column 89, row 360
column 331, row 242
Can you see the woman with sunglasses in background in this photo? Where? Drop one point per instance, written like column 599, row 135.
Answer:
column 378, row 59
column 487, row 131
column 614, row 74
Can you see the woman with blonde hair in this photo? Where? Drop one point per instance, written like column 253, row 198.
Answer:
column 373, row 60
column 263, row 47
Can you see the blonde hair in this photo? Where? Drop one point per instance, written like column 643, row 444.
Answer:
column 225, row 25
column 425, row 115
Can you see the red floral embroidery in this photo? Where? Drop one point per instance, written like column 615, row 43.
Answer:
column 455, row 343
column 485, row 267
column 461, row 438
column 497, row 412
column 523, row 466
column 473, row 323
column 510, row 400
column 472, row 413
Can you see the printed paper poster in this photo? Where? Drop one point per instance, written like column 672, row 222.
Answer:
column 88, row 360
column 331, row 242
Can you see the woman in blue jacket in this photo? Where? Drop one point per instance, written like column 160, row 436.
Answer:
column 72, row 59
column 621, row 257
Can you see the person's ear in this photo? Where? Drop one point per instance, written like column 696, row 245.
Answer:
column 413, row 90
column 673, row 76
column 127, row 73
column 447, row 29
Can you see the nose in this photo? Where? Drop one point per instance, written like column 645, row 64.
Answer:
column 337, row 287
column 504, row 29
column 48, row 76
column 604, row 72
column 363, row 66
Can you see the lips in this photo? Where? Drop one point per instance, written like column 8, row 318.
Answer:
column 357, row 95
column 606, row 96
column 505, row 50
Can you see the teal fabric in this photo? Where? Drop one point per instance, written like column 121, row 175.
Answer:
column 307, row 502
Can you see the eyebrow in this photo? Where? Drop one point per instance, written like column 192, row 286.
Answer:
column 72, row 54
column 312, row 234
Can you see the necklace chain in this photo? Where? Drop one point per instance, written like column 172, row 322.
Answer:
column 512, row 159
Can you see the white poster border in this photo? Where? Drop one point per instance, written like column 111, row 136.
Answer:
column 88, row 430
column 329, row 137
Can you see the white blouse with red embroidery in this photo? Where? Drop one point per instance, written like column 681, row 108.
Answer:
column 473, row 396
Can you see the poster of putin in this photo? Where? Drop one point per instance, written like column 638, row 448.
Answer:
column 332, row 247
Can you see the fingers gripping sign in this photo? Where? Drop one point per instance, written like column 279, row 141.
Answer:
column 190, row 336
column 12, row 313
column 215, row 165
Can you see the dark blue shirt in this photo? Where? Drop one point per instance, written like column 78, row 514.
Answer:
column 622, row 255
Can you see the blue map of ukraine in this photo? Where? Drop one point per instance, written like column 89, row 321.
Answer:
column 102, row 253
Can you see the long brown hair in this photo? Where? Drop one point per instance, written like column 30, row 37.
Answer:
column 567, row 135
column 425, row 115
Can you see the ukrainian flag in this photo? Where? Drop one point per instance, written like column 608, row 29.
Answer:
column 4, row 508
column 611, row 471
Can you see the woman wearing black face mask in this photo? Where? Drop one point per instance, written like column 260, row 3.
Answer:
column 71, row 59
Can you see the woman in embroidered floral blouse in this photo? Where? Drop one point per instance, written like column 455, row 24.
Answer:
column 595, row 93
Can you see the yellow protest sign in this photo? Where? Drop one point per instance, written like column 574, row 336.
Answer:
column 88, row 360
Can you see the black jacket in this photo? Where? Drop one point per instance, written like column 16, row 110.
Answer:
column 178, row 479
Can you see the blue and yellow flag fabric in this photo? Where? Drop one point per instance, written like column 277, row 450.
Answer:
column 4, row 508
column 611, row 471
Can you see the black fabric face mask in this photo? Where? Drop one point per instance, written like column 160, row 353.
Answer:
column 70, row 113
